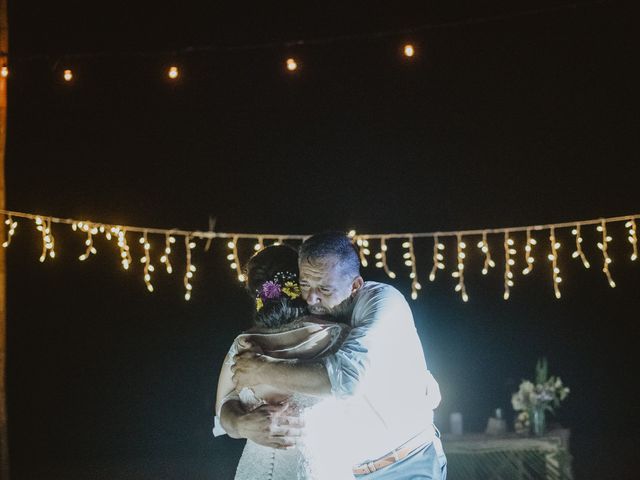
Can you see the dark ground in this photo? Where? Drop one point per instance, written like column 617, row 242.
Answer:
column 513, row 122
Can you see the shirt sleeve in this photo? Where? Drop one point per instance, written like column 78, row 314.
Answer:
column 378, row 311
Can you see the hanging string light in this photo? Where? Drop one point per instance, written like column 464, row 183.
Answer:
column 438, row 258
column 483, row 245
column 578, row 251
column 12, row 224
column 4, row 71
column 168, row 241
column 408, row 50
column 363, row 250
column 259, row 245
column 90, row 230
column 553, row 258
column 460, row 287
column 146, row 261
column 67, row 75
column 125, row 254
column 190, row 268
column 381, row 258
column 292, row 65
column 410, row 261
column 508, row 263
column 120, row 234
column 48, row 242
column 603, row 246
column 173, row 72
column 234, row 258
column 528, row 253
column 633, row 238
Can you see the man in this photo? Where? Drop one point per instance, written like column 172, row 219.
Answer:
column 379, row 369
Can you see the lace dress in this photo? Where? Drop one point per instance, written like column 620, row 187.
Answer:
column 316, row 458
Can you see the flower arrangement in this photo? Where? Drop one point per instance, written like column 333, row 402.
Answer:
column 532, row 400
column 283, row 283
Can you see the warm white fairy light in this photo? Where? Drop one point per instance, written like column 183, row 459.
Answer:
column 381, row 258
column 125, row 254
column 578, row 251
column 48, row 242
column 483, row 245
column 438, row 258
column 173, row 72
column 67, row 75
column 190, row 268
column 259, row 245
column 553, row 258
column 168, row 241
column 363, row 250
column 603, row 246
column 146, row 261
column 509, row 262
column 459, row 274
column 410, row 261
column 11, row 225
column 235, row 259
column 409, row 50
column 528, row 253
column 4, row 71
column 90, row 230
column 292, row 65
column 633, row 238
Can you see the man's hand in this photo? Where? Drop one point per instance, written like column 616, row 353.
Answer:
column 271, row 426
column 247, row 368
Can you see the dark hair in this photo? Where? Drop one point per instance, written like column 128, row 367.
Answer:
column 332, row 243
column 263, row 267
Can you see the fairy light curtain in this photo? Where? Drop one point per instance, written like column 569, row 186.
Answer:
column 165, row 241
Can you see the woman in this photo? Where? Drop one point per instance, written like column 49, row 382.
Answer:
column 283, row 329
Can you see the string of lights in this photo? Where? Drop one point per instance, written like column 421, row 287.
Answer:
column 291, row 64
column 92, row 229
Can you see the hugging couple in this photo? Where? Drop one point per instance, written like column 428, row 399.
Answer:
column 331, row 381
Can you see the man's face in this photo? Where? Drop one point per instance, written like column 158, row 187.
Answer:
column 324, row 284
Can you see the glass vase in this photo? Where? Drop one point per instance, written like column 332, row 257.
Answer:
column 538, row 421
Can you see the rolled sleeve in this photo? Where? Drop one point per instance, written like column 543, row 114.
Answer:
column 375, row 311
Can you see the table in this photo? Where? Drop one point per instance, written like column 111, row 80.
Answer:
column 510, row 456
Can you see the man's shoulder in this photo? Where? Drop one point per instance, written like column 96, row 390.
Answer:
column 377, row 291
column 378, row 288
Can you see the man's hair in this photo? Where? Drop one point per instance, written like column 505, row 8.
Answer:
column 332, row 244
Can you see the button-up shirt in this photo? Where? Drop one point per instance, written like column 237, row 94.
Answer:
column 381, row 372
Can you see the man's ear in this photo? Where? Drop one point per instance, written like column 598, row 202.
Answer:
column 356, row 284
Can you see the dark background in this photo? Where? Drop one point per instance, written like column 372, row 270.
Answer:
column 518, row 121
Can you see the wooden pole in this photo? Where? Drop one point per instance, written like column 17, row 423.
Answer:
column 4, row 439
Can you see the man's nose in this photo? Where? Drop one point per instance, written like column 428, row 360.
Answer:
column 312, row 297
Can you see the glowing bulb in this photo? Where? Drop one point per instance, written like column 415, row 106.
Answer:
column 408, row 50
column 292, row 65
column 4, row 71
column 173, row 72
column 68, row 75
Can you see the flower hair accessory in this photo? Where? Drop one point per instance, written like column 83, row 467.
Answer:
column 282, row 283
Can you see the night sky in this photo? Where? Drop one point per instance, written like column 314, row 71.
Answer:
column 517, row 121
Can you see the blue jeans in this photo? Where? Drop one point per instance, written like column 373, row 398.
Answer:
column 428, row 462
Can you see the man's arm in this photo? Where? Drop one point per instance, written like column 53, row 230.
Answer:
column 307, row 377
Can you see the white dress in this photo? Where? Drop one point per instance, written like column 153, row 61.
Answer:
column 318, row 457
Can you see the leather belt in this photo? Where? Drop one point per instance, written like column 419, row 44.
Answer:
column 397, row 454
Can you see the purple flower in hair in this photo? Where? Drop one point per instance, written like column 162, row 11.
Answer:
column 270, row 290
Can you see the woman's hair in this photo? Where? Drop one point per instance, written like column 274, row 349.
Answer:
column 272, row 267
